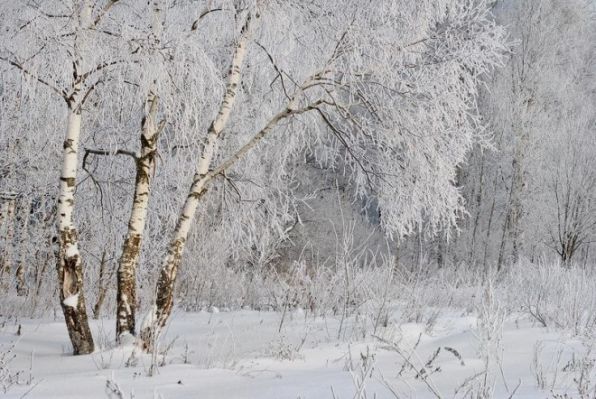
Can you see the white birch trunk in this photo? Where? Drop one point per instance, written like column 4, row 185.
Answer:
column 167, row 278
column 131, row 250
column 145, row 165
column 69, row 262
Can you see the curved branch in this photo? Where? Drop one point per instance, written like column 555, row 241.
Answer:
column 195, row 24
column 15, row 64
column 107, row 153
column 104, row 11
column 280, row 73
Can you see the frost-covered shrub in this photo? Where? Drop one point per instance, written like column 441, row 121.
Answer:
column 555, row 295
column 8, row 378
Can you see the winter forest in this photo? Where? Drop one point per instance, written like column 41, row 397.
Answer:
column 315, row 199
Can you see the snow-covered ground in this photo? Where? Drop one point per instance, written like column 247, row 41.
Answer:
column 245, row 354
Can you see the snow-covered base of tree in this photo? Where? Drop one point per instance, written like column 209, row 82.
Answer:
column 442, row 333
column 242, row 355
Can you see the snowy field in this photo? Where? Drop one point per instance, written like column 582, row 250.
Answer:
column 245, row 354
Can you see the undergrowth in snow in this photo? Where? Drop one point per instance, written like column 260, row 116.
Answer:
column 440, row 334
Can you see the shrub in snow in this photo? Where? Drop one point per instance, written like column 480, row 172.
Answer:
column 8, row 378
column 555, row 295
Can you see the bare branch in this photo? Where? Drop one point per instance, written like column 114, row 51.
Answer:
column 17, row 65
column 277, row 69
column 101, row 66
column 104, row 11
column 195, row 24
column 339, row 134
column 89, row 151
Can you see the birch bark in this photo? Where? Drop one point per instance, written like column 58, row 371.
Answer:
column 131, row 249
column 165, row 285
column 69, row 262
column 145, row 167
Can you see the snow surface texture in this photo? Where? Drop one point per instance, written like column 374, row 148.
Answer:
column 244, row 354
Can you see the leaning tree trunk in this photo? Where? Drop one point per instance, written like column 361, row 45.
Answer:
column 69, row 262
column 145, row 163
column 164, row 301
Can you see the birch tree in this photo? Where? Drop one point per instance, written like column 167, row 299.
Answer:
column 81, row 23
column 165, row 57
column 174, row 59
column 164, row 301
column 383, row 95
column 144, row 165
column 394, row 88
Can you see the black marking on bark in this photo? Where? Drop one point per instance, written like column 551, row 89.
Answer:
column 70, row 181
